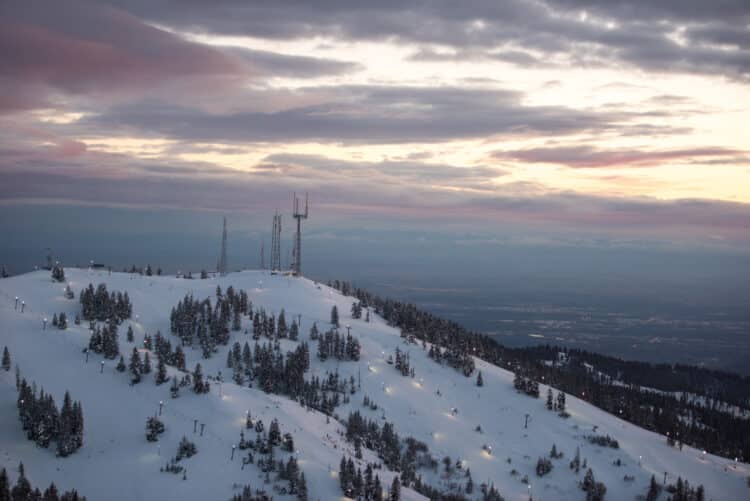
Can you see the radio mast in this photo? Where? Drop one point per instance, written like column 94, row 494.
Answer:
column 299, row 216
column 221, row 267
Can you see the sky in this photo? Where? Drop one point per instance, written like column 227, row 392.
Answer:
column 561, row 122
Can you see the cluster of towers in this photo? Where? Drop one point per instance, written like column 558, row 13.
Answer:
column 299, row 213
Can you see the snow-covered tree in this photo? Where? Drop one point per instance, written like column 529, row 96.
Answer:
column 58, row 273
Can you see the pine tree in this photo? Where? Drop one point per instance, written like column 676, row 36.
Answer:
column 335, row 316
column 121, row 365
column 130, row 336
column 58, row 274
column 199, row 386
column 588, row 481
column 395, row 492
column 549, row 399
column 146, row 363
column 653, row 490
column 6, row 359
column 22, row 490
column 561, row 402
column 161, row 372
column 4, row 486
column 480, row 381
column 50, row 494
column 135, row 367
column 302, row 487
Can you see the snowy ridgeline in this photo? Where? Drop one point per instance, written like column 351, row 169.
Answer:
column 438, row 427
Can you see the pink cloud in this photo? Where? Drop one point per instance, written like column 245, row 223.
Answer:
column 104, row 52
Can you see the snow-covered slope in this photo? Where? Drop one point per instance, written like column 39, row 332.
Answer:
column 117, row 463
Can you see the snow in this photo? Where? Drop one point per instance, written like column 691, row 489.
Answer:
column 117, row 463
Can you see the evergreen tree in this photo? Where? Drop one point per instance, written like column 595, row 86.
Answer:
column 58, row 274
column 301, row 488
column 121, row 365
column 395, row 492
column 549, row 399
column 199, row 386
column 6, row 359
column 135, row 367
column 51, row 494
column 281, row 328
column 4, row 486
column 561, row 402
column 130, row 336
column 480, row 381
column 146, row 363
column 653, row 490
column 335, row 316
column 22, row 490
column 161, row 372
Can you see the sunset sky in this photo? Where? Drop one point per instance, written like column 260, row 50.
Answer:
column 627, row 120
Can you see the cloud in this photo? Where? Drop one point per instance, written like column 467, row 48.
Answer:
column 590, row 157
column 51, row 50
column 363, row 114
column 386, row 189
column 412, row 173
column 632, row 32
column 273, row 64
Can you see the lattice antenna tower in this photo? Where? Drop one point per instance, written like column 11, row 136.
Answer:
column 299, row 216
column 221, row 266
column 262, row 255
column 276, row 243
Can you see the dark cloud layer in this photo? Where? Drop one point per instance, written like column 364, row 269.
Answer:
column 365, row 114
column 638, row 38
column 342, row 196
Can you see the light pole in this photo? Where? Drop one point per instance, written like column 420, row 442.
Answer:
column 101, row 367
column 161, row 405
column 348, row 330
column 44, row 324
column 16, row 306
column 23, row 306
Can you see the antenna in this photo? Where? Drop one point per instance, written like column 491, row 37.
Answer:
column 221, row 267
column 276, row 243
column 262, row 256
column 299, row 216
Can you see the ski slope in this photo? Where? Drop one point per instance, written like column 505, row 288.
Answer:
column 117, row 463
